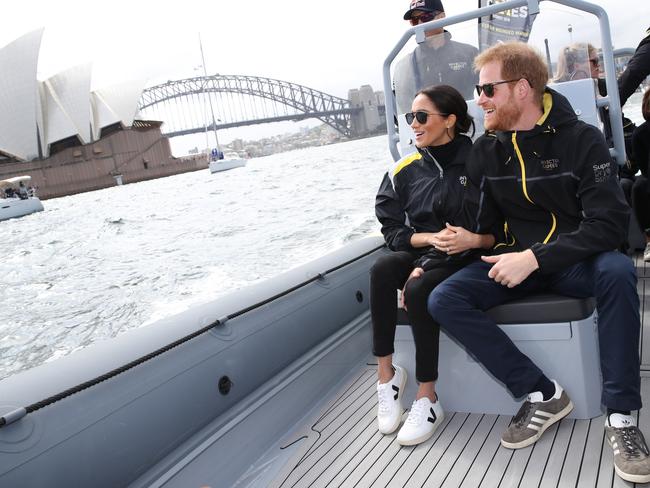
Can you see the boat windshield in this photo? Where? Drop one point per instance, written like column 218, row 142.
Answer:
column 569, row 40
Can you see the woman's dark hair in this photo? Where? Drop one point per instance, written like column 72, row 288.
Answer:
column 449, row 101
column 645, row 105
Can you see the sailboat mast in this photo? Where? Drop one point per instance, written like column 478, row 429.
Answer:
column 205, row 76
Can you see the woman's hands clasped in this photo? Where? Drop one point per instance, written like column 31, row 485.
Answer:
column 454, row 240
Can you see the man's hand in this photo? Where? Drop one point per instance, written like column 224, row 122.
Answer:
column 512, row 268
column 416, row 273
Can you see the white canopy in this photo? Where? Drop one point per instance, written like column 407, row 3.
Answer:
column 15, row 181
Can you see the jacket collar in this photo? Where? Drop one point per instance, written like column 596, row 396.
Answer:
column 556, row 112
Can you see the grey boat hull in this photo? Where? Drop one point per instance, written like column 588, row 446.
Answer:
column 112, row 433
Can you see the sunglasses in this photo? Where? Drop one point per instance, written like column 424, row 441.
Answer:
column 488, row 88
column 420, row 116
column 423, row 17
column 595, row 61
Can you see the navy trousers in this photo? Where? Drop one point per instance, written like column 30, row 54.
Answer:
column 458, row 306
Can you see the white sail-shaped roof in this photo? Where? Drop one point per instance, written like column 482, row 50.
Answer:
column 68, row 104
column 103, row 115
column 117, row 103
column 19, row 97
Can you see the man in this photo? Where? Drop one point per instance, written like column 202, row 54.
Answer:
column 552, row 179
column 436, row 61
column 636, row 70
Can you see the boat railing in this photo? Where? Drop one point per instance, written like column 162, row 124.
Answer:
column 612, row 99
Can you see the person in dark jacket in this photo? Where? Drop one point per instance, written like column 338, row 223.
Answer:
column 436, row 61
column 641, row 186
column 552, row 179
column 417, row 205
column 637, row 69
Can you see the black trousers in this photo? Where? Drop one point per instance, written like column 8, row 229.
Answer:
column 389, row 274
column 641, row 203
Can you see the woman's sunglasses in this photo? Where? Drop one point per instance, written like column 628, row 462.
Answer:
column 488, row 88
column 420, row 116
column 423, row 17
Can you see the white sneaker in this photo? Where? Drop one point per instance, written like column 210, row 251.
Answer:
column 423, row 420
column 390, row 410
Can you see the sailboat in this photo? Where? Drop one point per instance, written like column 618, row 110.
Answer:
column 218, row 161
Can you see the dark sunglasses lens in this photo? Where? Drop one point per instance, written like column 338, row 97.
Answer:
column 421, row 117
column 422, row 18
column 488, row 89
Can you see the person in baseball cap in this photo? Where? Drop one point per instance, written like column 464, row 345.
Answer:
column 438, row 60
column 424, row 6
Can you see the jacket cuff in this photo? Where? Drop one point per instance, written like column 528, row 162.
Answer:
column 541, row 254
column 405, row 239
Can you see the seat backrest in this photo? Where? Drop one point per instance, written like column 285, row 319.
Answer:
column 580, row 93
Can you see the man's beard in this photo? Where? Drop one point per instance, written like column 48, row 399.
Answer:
column 506, row 116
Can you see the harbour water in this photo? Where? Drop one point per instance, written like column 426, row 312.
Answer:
column 96, row 264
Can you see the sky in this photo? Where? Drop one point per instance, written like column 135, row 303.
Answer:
column 329, row 45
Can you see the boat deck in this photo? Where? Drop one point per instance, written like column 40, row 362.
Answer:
column 341, row 447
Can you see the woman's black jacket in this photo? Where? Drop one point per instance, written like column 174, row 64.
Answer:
column 421, row 193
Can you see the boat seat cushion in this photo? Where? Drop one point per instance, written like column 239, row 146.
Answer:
column 540, row 308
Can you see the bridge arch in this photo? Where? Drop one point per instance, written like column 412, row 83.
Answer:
column 306, row 102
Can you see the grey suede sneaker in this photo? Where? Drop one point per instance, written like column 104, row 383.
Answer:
column 534, row 417
column 631, row 456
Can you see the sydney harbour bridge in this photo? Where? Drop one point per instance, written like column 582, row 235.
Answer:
column 199, row 104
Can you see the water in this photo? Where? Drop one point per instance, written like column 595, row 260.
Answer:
column 96, row 264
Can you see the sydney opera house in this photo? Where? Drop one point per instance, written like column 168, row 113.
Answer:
column 70, row 138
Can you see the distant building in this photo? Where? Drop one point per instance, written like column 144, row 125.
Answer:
column 50, row 129
column 368, row 120
column 40, row 117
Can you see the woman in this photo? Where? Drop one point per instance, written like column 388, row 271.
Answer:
column 427, row 189
column 577, row 61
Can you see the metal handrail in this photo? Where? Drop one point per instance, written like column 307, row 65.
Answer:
column 612, row 100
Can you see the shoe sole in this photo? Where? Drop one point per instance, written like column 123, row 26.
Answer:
column 394, row 427
column 531, row 440
column 632, row 478
column 422, row 438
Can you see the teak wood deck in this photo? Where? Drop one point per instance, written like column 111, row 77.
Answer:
column 341, row 447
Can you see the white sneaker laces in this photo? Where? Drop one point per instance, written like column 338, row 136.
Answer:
column 384, row 400
column 415, row 415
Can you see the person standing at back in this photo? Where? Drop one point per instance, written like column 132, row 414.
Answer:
column 641, row 187
column 637, row 69
column 551, row 178
column 436, row 61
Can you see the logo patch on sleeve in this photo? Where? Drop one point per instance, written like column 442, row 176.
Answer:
column 602, row 172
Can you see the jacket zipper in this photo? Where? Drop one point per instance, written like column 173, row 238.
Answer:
column 523, row 185
column 442, row 173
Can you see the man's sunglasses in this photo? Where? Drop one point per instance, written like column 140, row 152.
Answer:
column 423, row 17
column 595, row 61
column 488, row 88
column 420, row 116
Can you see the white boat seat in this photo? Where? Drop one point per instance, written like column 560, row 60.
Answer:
column 558, row 333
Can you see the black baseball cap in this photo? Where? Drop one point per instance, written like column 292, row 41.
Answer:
column 424, row 6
